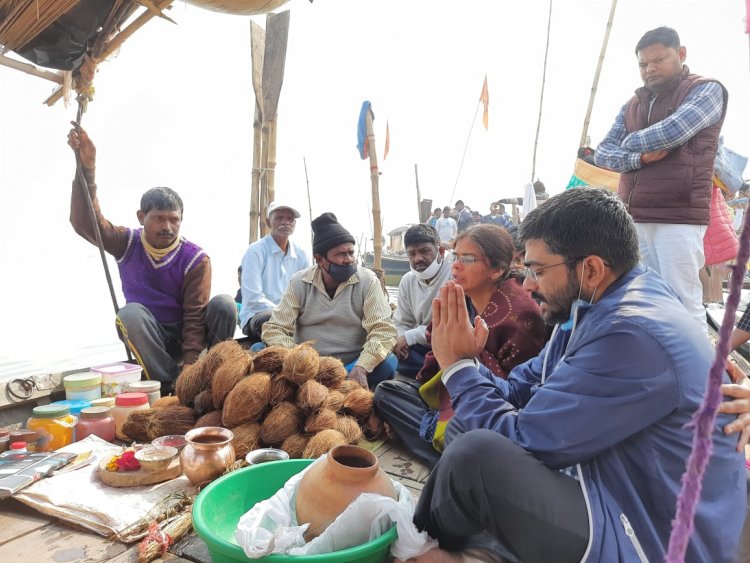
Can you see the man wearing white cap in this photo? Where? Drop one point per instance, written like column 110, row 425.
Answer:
column 267, row 267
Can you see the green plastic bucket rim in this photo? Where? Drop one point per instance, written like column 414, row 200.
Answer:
column 235, row 551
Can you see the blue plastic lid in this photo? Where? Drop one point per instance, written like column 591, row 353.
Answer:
column 76, row 406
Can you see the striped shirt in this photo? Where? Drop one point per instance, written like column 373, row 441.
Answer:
column 355, row 324
column 701, row 108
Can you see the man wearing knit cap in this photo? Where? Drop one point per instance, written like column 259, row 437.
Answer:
column 339, row 306
column 267, row 267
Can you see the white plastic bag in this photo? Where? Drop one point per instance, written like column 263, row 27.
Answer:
column 271, row 527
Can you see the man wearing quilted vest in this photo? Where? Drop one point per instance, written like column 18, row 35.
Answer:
column 166, row 279
column 664, row 142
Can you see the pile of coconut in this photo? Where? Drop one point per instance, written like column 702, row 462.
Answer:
column 292, row 399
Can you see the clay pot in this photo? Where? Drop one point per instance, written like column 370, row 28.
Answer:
column 331, row 485
column 208, row 453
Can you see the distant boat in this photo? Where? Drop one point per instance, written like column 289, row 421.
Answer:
column 393, row 264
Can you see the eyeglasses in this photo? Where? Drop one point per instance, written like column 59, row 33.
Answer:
column 467, row 259
column 532, row 274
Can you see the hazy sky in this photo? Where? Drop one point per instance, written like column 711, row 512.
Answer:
column 175, row 108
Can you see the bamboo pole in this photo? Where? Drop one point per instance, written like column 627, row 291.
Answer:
column 595, row 85
column 419, row 195
column 265, row 133
column 31, row 69
column 271, row 172
column 257, row 51
column 374, row 180
column 541, row 95
column 309, row 202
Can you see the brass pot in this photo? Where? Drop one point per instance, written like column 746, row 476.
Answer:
column 208, row 453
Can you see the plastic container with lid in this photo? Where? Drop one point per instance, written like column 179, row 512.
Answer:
column 18, row 448
column 150, row 388
column 103, row 402
column 116, row 376
column 28, row 436
column 75, row 406
column 53, row 425
column 85, row 385
column 97, row 421
column 125, row 403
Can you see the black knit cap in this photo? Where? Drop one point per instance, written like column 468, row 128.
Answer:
column 327, row 233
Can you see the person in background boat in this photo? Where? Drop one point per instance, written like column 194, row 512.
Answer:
column 476, row 218
column 447, row 228
column 436, row 214
column 498, row 216
column 339, row 306
column 166, row 279
column 416, row 290
column 419, row 411
column 463, row 216
column 664, row 143
column 574, row 432
column 267, row 268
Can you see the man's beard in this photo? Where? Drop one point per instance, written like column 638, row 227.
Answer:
column 557, row 306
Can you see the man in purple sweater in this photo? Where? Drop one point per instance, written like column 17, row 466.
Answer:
column 166, row 279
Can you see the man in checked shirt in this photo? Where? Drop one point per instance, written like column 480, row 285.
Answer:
column 664, row 143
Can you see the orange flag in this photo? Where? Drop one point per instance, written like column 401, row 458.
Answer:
column 387, row 141
column 485, row 99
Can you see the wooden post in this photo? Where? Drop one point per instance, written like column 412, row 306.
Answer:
column 374, row 179
column 265, row 132
column 257, row 44
column 419, row 196
column 595, row 85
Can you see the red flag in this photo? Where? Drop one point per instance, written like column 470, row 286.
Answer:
column 388, row 138
column 485, row 99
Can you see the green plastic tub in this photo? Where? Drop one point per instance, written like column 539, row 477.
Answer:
column 218, row 509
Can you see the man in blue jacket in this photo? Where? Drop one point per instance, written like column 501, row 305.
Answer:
column 578, row 455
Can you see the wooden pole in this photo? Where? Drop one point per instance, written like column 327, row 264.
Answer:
column 309, row 202
column 257, row 46
column 541, row 95
column 265, row 135
column 31, row 69
column 595, row 85
column 374, row 179
column 419, row 196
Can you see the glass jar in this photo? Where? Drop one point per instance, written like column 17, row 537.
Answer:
column 150, row 388
column 53, row 425
column 97, row 421
column 125, row 403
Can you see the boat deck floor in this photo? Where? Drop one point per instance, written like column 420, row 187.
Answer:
column 29, row 536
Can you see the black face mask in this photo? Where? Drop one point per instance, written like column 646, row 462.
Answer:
column 341, row 273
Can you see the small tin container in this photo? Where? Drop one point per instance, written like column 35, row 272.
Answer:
column 103, row 402
column 263, row 455
column 150, row 388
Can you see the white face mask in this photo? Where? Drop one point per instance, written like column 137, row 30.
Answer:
column 430, row 271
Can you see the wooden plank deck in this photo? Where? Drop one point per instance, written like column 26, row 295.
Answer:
column 31, row 537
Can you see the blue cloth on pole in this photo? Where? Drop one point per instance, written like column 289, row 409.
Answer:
column 362, row 130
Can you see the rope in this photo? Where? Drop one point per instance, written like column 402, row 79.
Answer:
column 705, row 416
column 541, row 95
column 468, row 138
column 82, row 103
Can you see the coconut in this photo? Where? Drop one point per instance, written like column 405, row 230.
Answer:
column 349, row 427
column 227, row 375
column 331, row 371
column 374, row 428
column 322, row 442
column 301, row 364
column 271, row 359
column 212, row 418
column 136, row 424
column 284, row 420
column 347, row 386
column 188, row 383
column 246, row 438
column 335, row 400
column 168, row 401
column 295, row 445
column 203, row 402
column 281, row 390
column 171, row 420
column 247, row 401
column 311, row 396
column 320, row 421
column 358, row 403
column 217, row 355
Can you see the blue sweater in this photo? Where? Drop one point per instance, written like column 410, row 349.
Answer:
column 614, row 401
